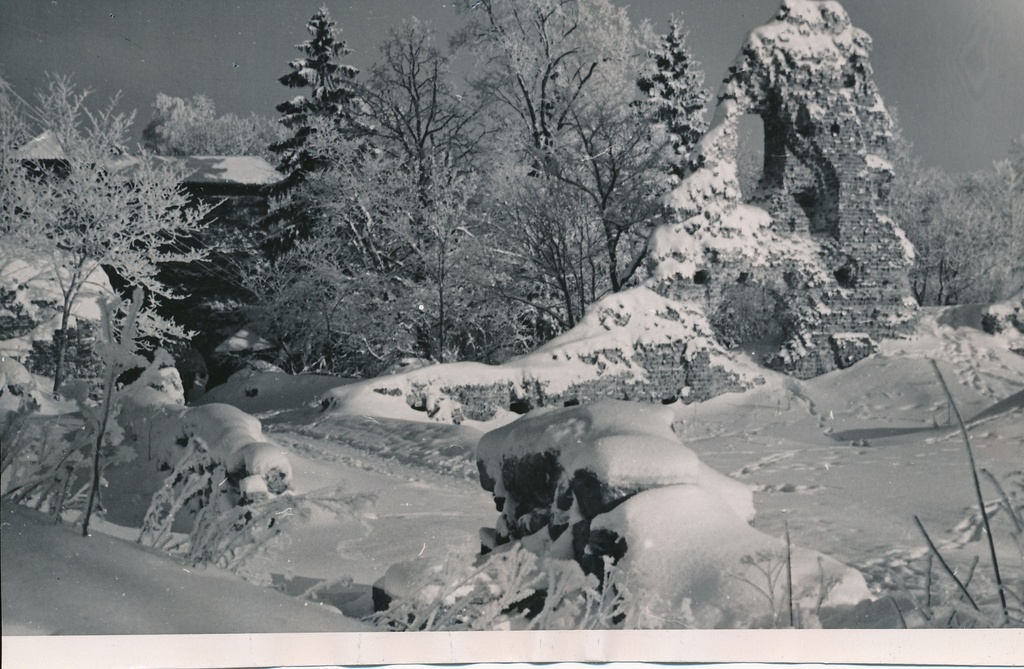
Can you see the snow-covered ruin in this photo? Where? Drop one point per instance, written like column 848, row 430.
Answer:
column 815, row 237
column 819, row 237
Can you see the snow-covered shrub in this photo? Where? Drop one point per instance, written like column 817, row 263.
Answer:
column 688, row 549
column 942, row 593
column 1005, row 318
column 510, row 588
column 67, row 473
column 610, row 483
column 236, row 519
column 18, row 398
column 160, row 426
column 42, row 463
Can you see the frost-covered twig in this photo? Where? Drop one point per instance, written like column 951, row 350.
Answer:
column 1013, row 512
column 771, row 568
column 945, row 567
column 190, row 479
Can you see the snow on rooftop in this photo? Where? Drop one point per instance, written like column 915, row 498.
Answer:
column 44, row 147
column 247, row 170
column 240, row 170
column 243, row 340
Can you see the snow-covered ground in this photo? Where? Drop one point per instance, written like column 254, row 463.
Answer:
column 845, row 460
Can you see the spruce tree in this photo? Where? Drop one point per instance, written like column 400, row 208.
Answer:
column 334, row 93
column 673, row 84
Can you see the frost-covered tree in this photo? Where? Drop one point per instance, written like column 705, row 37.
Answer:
column 672, row 84
column 613, row 162
column 535, row 58
column 966, row 229
column 333, row 92
column 97, row 208
column 383, row 274
column 191, row 127
column 418, row 115
column 564, row 72
column 553, row 247
column 14, row 133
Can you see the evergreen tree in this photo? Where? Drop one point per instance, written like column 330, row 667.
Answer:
column 673, row 84
column 335, row 93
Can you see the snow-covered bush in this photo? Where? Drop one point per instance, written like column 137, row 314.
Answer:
column 60, row 469
column 161, row 427
column 1006, row 319
column 237, row 516
column 510, row 588
column 611, row 484
column 41, row 462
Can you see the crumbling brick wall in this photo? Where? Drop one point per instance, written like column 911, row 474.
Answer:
column 836, row 257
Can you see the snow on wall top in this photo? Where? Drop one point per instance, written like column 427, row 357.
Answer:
column 602, row 345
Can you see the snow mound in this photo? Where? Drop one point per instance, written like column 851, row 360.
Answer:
column 623, row 444
column 612, row 483
column 265, row 461
column 56, row 582
column 686, row 550
column 161, row 427
column 255, row 391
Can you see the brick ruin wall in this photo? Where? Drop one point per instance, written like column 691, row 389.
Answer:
column 825, row 184
column 669, row 377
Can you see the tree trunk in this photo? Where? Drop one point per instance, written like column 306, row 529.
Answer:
column 108, row 392
column 440, row 322
column 60, row 346
column 612, row 241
